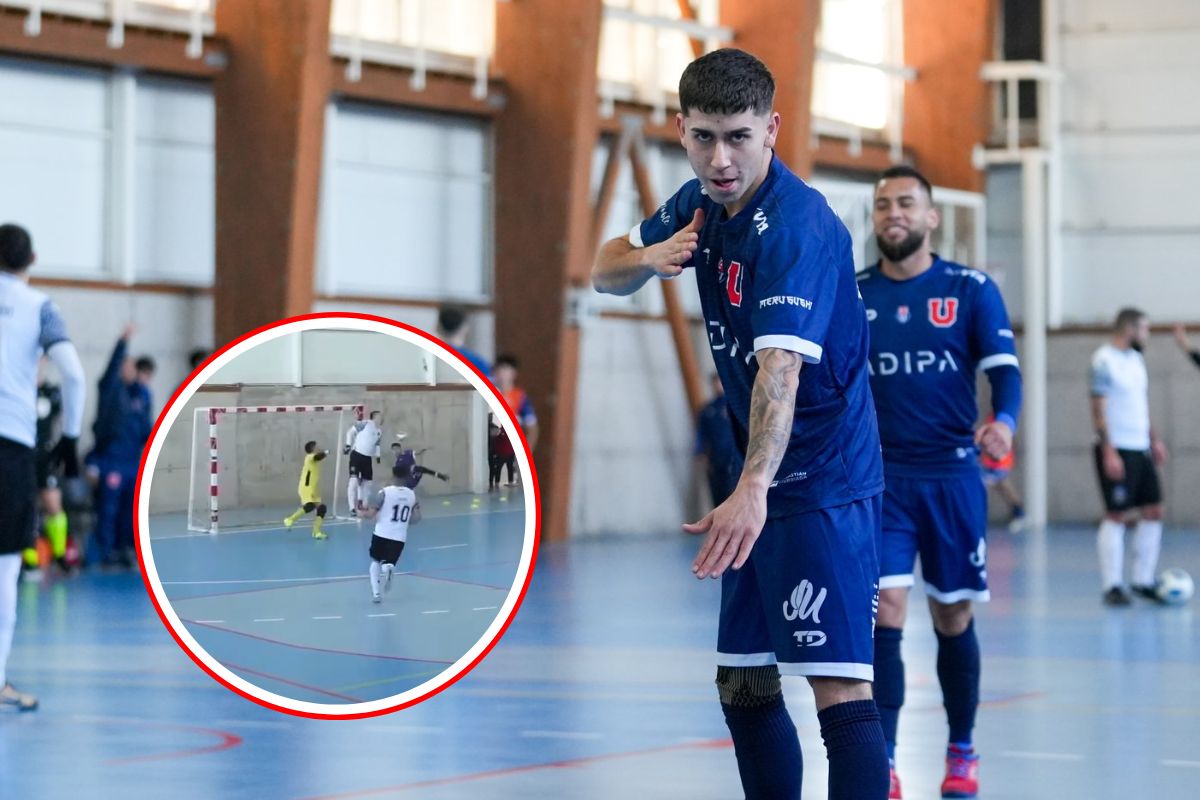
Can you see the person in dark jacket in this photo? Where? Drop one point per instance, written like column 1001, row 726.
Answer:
column 122, row 428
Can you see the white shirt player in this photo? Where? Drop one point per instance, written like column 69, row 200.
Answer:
column 1119, row 376
column 395, row 506
column 363, row 437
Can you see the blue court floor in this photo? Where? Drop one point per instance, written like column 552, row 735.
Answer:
column 602, row 689
column 294, row 615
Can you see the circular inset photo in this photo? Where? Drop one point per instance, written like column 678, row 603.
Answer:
column 318, row 517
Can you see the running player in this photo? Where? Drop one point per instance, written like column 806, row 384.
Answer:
column 30, row 324
column 934, row 323
column 362, row 444
column 310, row 490
column 394, row 509
column 406, row 460
column 1128, row 454
column 775, row 270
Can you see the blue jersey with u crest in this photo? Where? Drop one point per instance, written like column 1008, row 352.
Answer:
column 780, row 274
column 929, row 336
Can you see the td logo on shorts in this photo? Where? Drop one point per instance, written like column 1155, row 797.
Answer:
column 804, row 605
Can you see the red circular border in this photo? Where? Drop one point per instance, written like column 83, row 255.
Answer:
column 537, row 510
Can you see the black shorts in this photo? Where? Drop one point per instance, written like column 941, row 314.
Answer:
column 386, row 550
column 1141, row 486
column 18, row 496
column 360, row 466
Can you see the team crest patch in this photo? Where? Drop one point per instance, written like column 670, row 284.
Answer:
column 733, row 283
column 903, row 315
column 943, row 311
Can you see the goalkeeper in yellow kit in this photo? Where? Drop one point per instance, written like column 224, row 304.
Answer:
column 310, row 490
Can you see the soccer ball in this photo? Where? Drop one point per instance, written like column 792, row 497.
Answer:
column 1175, row 586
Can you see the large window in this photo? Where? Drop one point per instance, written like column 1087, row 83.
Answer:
column 861, row 47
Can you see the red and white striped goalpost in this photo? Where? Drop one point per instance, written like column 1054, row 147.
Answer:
column 214, row 415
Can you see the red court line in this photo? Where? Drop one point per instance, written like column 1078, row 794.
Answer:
column 452, row 580
column 310, row 647
column 347, row 697
column 710, row 744
column 228, row 741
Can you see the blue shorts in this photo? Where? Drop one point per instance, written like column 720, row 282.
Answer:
column 806, row 598
column 945, row 520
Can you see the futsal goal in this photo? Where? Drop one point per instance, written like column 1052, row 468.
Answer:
column 246, row 462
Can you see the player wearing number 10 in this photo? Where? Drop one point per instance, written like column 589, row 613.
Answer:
column 394, row 509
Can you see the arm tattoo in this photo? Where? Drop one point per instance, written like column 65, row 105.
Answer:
column 772, row 404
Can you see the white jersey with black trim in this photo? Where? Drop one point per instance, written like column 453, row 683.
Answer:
column 1119, row 376
column 30, row 324
column 364, row 437
column 395, row 506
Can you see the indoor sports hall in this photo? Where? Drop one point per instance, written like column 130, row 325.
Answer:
column 191, row 170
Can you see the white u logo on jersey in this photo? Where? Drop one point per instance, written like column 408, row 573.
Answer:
column 802, row 605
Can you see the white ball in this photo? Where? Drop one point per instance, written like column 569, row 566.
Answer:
column 1175, row 586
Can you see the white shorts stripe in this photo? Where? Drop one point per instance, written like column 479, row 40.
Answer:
column 745, row 659
column 896, row 581
column 816, row 669
column 946, row 598
column 635, row 236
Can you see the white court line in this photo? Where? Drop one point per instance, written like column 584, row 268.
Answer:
column 210, row 621
column 442, row 547
column 197, row 534
column 1042, row 756
column 381, row 615
column 560, row 735
column 270, row 619
column 326, row 617
column 1172, row 762
column 267, row 580
column 443, row 611
column 485, row 608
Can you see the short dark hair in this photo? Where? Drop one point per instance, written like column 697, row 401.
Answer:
column 905, row 171
column 451, row 319
column 506, row 360
column 145, row 364
column 309, row 446
column 726, row 81
column 16, row 248
column 1128, row 316
column 374, row 414
column 197, row 357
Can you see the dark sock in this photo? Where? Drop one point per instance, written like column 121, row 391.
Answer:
column 958, row 672
column 767, row 750
column 889, row 683
column 858, row 764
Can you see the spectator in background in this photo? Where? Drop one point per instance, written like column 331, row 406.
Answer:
column 123, row 424
column 196, row 358
column 715, row 447
column 453, row 328
column 1181, row 339
column 504, row 376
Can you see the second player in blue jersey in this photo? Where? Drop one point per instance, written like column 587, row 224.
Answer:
column 934, row 324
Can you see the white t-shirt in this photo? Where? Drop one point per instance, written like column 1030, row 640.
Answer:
column 1119, row 376
column 364, row 438
column 29, row 324
column 395, row 505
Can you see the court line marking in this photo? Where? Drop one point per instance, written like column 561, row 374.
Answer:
column 485, row 608
column 441, row 547
column 337, row 617
column 412, row 676
column 439, row 611
column 1174, row 762
column 710, row 744
column 318, row 649
column 321, row 578
column 275, row 528
column 289, row 682
column 561, row 735
column 390, row 614
column 227, row 740
column 1042, row 756
column 212, row 621
column 261, row 619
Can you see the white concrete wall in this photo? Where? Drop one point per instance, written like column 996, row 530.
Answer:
column 261, row 453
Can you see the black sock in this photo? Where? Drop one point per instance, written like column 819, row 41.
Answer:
column 858, row 763
column 767, row 750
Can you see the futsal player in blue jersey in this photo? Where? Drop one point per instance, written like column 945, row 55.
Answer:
column 788, row 333
column 934, row 324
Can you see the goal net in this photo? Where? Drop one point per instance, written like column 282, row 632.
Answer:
column 246, row 462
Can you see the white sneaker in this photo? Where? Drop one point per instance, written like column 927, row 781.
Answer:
column 376, row 597
column 13, row 700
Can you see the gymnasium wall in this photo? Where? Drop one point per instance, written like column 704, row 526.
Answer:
column 262, row 453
